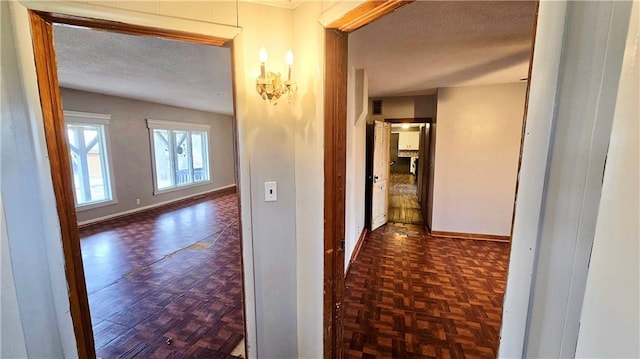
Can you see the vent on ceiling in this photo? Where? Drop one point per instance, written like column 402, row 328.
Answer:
column 376, row 107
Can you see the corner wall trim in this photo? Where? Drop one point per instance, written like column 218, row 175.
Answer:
column 476, row 236
column 220, row 190
column 356, row 250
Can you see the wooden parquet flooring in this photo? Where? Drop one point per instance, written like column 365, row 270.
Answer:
column 403, row 201
column 166, row 283
column 410, row 295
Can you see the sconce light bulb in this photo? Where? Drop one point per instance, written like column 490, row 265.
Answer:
column 289, row 58
column 263, row 55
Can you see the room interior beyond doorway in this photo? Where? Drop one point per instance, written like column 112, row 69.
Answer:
column 406, row 152
column 478, row 116
column 196, row 177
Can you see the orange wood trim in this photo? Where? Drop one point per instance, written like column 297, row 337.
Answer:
column 214, row 193
column 409, row 120
column 230, row 44
column 366, row 14
column 335, row 155
column 129, row 29
column 484, row 237
column 524, row 118
column 356, row 250
column 55, row 134
column 335, row 132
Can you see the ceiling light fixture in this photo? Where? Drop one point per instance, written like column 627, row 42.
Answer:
column 270, row 85
column 406, row 125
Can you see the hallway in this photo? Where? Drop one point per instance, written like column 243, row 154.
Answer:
column 403, row 200
column 410, row 295
column 166, row 282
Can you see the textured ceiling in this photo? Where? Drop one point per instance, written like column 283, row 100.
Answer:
column 414, row 50
column 430, row 44
column 288, row 4
column 145, row 68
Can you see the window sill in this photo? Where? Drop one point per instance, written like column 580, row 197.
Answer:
column 174, row 189
column 87, row 207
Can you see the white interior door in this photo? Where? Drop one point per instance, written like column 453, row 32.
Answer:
column 380, row 195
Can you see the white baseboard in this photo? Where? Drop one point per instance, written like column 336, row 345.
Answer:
column 151, row 206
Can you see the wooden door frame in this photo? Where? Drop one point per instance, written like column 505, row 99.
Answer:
column 335, row 158
column 57, row 149
column 425, row 175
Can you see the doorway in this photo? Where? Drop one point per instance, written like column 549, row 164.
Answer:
column 526, row 44
column 408, row 151
column 177, row 322
column 397, row 181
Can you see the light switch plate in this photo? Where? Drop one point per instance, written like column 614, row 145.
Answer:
column 270, row 191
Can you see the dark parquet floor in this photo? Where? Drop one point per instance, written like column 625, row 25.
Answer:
column 166, row 283
column 403, row 199
column 410, row 295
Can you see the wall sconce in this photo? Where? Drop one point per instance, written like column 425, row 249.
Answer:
column 270, row 85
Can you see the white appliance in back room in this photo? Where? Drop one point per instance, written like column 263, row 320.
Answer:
column 408, row 146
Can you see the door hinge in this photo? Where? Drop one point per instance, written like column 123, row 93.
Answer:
column 341, row 249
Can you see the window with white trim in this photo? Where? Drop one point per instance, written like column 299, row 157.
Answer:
column 87, row 136
column 180, row 154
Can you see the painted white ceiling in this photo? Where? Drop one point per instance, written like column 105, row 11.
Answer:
column 430, row 44
column 145, row 68
column 288, row 4
column 412, row 51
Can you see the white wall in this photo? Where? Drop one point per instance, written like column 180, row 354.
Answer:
column 357, row 105
column 531, row 185
column 476, row 163
column 610, row 320
column 267, row 152
column 594, row 38
column 308, row 112
column 35, row 259
column 405, row 107
column 130, row 149
column 12, row 340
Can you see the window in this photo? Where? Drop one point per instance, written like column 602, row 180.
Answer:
column 89, row 157
column 180, row 154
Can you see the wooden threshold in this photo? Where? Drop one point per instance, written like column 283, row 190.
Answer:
column 476, row 236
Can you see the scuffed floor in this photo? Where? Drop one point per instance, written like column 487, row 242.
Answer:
column 167, row 282
column 409, row 295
